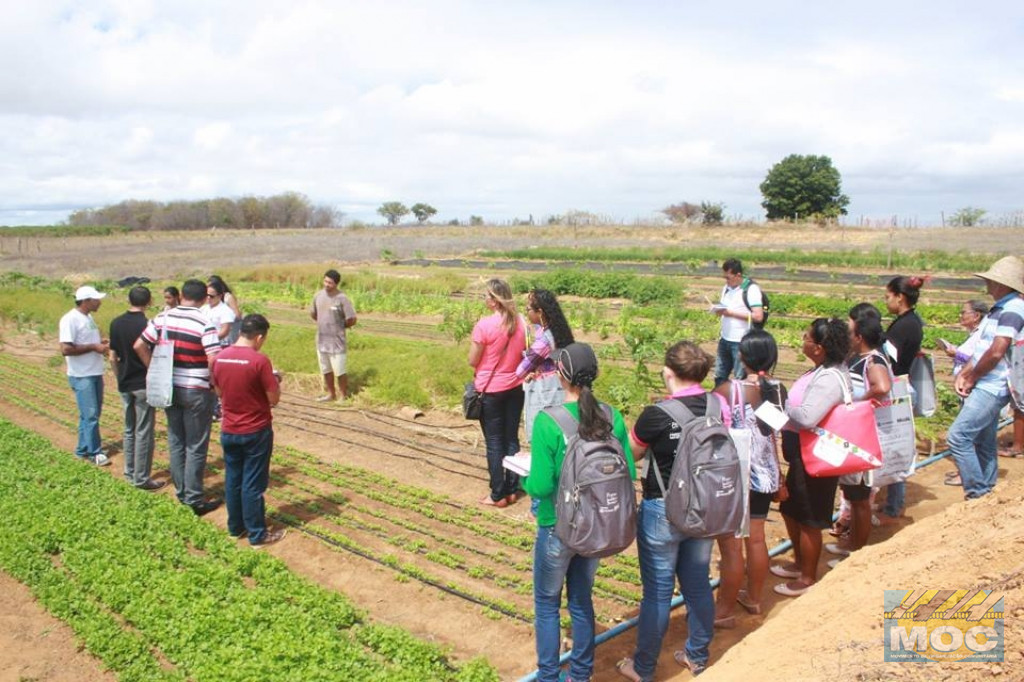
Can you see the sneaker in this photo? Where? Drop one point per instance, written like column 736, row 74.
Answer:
column 325, row 399
column 100, row 460
column 205, row 507
column 270, row 538
column 837, row 549
column 151, row 485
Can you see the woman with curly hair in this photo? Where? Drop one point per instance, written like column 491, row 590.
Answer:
column 537, row 370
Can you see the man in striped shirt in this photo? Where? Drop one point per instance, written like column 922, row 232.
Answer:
column 188, row 418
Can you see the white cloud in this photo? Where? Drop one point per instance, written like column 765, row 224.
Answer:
column 506, row 110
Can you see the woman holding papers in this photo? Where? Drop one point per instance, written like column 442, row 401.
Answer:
column 554, row 565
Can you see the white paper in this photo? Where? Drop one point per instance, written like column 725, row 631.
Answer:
column 771, row 415
column 518, row 463
column 716, row 307
column 891, row 351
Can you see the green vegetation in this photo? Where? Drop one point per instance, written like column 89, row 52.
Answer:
column 640, row 289
column 62, row 230
column 803, row 186
column 197, row 591
column 697, row 257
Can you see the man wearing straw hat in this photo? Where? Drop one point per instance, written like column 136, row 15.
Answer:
column 982, row 382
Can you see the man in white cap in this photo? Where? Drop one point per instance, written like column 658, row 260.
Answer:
column 982, row 382
column 83, row 349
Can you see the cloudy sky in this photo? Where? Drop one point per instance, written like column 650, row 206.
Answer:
column 507, row 109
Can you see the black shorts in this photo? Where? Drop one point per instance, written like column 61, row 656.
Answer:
column 811, row 499
column 855, row 493
column 759, row 504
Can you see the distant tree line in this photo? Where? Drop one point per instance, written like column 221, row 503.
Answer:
column 290, row 209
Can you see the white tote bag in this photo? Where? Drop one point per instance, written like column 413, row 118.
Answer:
column 895, row 421
column 160, row 375
column 922, row 380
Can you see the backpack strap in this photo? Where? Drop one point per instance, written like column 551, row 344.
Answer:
column 680, row 414
column 568, row 423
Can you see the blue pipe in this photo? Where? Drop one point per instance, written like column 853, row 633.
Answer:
column 778, row 549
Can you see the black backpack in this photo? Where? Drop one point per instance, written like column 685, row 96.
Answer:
column 765, row 305
column 595, row 504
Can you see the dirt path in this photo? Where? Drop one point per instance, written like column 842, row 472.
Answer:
column 35, row 646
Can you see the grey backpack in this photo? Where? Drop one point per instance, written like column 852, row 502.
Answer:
column 704, row 496
column 595, row 504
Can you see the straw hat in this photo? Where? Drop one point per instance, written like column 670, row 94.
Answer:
column 1007, row 271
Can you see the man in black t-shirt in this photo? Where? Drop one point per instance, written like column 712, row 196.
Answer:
column 131, row 382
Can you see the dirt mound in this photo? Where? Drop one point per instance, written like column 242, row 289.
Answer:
column 835, row 631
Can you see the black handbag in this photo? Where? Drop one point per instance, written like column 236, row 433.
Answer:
column 472, row 399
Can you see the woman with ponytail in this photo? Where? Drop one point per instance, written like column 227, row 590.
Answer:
column 554, row 565
column 665, row 553
column 759, row 355
column 904, row 336
column 496, row 346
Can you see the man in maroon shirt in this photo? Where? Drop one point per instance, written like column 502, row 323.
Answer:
column 248, row 388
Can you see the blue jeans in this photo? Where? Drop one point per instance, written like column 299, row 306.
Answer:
column 500, row 425
column 188, row 439
column 89, row 396
column 972, row 441
column 895, row 498
column 138, row 437
column 553, row 565
column 665, row 555
column 246, row 475
column 728, row 360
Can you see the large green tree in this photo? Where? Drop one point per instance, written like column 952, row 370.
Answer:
column 803, row 187
column 393, row 211
column 423, row 211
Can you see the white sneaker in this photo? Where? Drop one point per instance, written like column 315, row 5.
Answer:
column 101, row 460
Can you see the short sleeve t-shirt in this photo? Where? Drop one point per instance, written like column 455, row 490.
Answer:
column 80, row 329
column 219, row 315
column 331, row 313
column 498, row 359
column 195, row 343
column 733, row 328
column 1004, row 320
column 660, row 433
column 243, row 375
column 125, row 330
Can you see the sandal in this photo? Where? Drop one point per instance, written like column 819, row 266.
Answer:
column 954, row 480
column 792, row 589
column 839, row 529
column 684, row 660
column 500, row 504
column 625, row 668
column 743, row 599
column 1010, row 453
column 725, row 623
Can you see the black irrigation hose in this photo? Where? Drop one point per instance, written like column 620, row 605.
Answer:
column 389, row 453
column 317, row 406
column 427, row 581
column 373, row 434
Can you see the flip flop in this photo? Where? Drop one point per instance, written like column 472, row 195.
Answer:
column 488, row 502
column 1010, row 453
column 726, row 623
column 743, row 599
column 625, row 668
column 955, row 481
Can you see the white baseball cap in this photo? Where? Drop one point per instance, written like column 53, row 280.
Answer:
column 84, row 293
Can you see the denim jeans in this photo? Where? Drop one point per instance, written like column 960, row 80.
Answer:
column 553, row 565
column 89, row 396
column 500, row 425
column 138, row 436
column 665, row 555
column 188, row 439
column 246, row 474
column 728, row 360
column 972, row 441
column 895, row 498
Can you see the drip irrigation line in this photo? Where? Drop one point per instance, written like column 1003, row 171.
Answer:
column 475, row 477
column 317, row 406
column 778, row 549
column 426, row 581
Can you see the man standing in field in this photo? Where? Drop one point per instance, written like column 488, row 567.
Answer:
column 334, row 314
column 740, row 307
column 982, row 381
column 248, row 389
column 83, row 349
column 125, row 330
column 191, row 411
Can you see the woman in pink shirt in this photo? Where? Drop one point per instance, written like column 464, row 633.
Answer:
column 497, row 345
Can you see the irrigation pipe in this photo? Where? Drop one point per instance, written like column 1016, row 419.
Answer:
column 778, row 549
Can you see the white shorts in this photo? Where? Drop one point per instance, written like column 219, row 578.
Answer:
column 332, row 363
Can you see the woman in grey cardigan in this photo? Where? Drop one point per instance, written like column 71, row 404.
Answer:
column 807, row 502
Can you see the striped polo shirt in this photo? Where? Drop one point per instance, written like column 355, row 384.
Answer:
column 195, row 343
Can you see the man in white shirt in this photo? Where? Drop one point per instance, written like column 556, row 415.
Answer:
column 83, row 349
column 739, row 314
